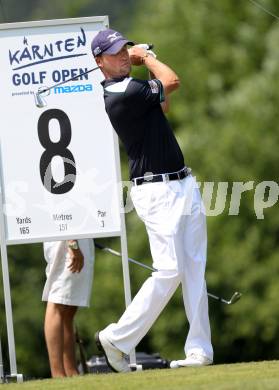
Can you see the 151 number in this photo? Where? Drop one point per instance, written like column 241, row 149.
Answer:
column 59, row 148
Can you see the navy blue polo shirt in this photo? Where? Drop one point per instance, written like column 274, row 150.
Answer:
column 135, row 112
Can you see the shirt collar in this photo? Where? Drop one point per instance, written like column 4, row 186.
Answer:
column 106, row 82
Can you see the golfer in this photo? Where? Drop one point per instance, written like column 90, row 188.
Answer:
column 68, row 286
column 166, row 198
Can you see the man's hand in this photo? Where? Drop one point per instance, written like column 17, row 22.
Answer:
column 137, row 54
column 161, row 71
column 76, row 260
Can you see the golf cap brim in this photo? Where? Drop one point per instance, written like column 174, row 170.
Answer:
column 117, row 46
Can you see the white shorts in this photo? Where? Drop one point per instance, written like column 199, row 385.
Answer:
column 62, row 286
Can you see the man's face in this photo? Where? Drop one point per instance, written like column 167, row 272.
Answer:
column 116, row 65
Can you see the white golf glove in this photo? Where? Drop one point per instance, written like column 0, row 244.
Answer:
column 146, row 46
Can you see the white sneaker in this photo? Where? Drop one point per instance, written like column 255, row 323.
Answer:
column 193, row 360
column 114, row 357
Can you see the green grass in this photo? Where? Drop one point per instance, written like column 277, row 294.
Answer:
column 247, row 376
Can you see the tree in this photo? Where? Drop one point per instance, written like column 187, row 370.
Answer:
column 225, row 119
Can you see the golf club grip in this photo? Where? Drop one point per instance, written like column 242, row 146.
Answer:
column 150, row 46
column 113, row 252
column 99, row 246
column 146, row 46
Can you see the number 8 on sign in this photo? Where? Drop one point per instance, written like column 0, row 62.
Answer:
column 56, row 149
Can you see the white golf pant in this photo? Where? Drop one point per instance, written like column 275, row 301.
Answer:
column 176, row 226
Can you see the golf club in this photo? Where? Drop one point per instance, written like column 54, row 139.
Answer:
column 235, row 297
column 39, row 100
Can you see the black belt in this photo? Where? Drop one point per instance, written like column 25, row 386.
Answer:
column 137, row 181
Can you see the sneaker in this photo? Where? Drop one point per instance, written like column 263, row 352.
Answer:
column 114, row 357
column 193, row 360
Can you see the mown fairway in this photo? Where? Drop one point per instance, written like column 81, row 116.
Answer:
column 254, row 376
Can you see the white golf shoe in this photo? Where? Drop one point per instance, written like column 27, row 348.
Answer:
column 114, row 357
column 193, row 360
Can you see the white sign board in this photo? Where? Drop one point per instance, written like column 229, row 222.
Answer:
column 60, row 164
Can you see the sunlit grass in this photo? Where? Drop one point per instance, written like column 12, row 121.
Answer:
column 254, row 376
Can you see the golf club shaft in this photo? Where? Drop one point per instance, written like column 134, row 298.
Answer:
column 82, row 352
column 218, row 298
column 147, row 46
column 115, row 253
column 66, row 81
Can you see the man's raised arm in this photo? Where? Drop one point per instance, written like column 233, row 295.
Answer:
column 161, row 71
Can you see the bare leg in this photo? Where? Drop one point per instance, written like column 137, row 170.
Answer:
column 54, row 338
column 69, row 356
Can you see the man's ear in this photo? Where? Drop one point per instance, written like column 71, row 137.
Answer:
column 99, row 61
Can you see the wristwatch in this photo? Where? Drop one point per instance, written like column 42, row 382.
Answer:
column 73, row 244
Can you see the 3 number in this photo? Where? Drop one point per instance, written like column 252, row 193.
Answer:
column 59, row 148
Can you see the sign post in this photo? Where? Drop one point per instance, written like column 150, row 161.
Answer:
column 7, row 291
column 60, row 166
